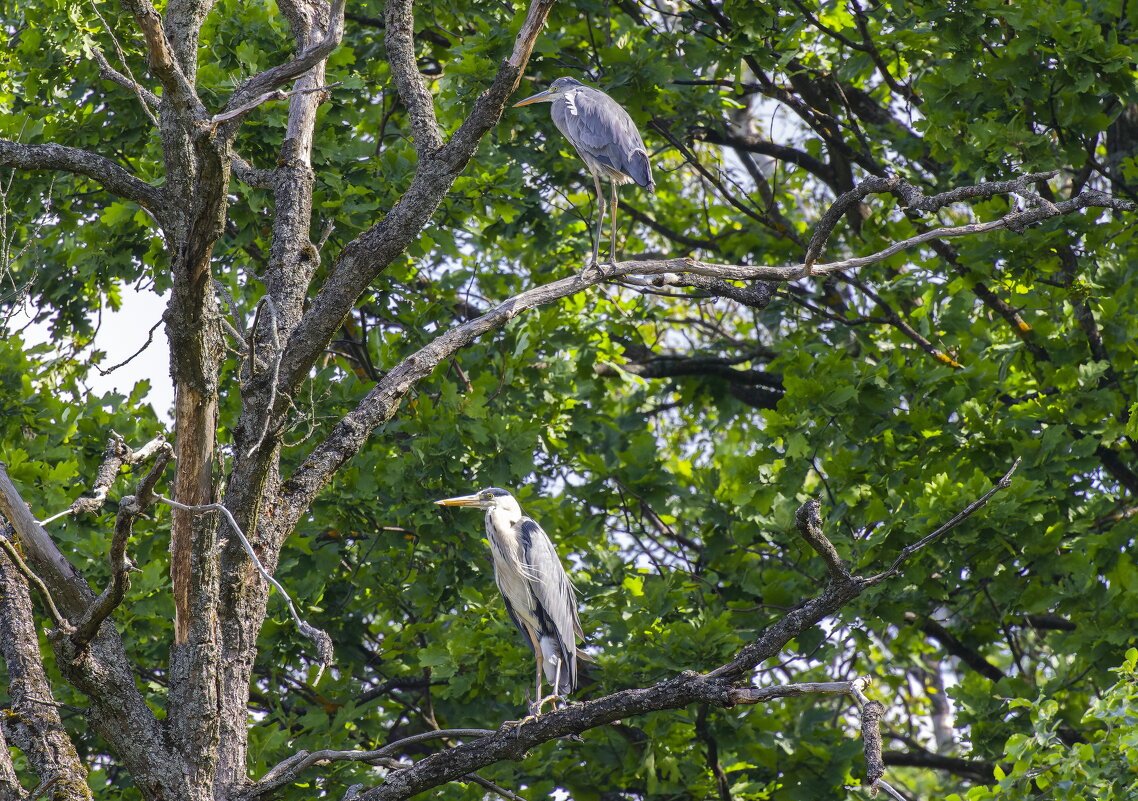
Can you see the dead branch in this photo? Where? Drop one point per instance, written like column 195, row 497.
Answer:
column 287, row 771
column 276, row 94
column 964, row 514
column 319, row 637
column 130, row 507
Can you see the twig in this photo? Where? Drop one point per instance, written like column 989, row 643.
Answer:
column 509, row 795
column 132, row 357
column 59, row 620
column 276, row 94
column 963, row 515
column 286, row 771
column 319, row 637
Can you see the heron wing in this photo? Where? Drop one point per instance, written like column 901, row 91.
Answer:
column 601, row 129
column 552, row 591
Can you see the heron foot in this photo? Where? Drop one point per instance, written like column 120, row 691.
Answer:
column 535, row 707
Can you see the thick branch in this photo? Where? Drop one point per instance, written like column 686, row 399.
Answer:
column 33, row 723
column 69, row 589
column 400, row 43
column 513, row 740
column 161, row 56
column 105, row 172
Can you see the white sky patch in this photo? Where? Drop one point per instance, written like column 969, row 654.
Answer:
column 121, row 333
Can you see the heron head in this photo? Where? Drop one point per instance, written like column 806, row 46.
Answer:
column 490, row 498
column 557, row 89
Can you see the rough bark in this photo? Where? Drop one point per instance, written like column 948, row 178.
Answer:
column 33, row 725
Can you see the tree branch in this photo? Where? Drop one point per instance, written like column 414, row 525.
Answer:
column 911, row 197
column 265, row 83
column 33, row 725
column 400, row 43
column 370, row 253
column 130, row 507
column 382, row 401
column 105, row 172
column 287, row 771
column 964, row 514
column 161, row 57
column 66, row 585
column 717, row 687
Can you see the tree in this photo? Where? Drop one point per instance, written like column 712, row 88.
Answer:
column 890, row 254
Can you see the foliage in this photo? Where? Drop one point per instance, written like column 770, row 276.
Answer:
column 668, row 485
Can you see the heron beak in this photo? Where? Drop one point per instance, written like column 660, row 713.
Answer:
column 546, row 95
column 461, row 500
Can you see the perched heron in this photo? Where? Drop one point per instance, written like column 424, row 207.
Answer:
column 538, row 594
column 606, row 140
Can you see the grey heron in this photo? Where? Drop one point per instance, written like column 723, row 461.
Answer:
column 539, row 596
column 606, row 140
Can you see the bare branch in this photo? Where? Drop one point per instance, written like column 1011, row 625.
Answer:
column 130, row 508
column 115, row 455
column 383, row 400
column 263, row 84
column 911, row 197
column 370, row 253
column 59, row 620
column 964, row 514
column 105, row 172
column 276, row 94
column 318, row 636
column 287, row 771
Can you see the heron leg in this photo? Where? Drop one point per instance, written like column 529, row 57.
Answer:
column 600, row 220
column 555, row 696
column 612, row 221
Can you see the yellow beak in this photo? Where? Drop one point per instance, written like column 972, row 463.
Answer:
column 461, row 500
column 535, row 99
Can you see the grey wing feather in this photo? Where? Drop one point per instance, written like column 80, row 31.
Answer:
column 601, row 129
column 553, row 591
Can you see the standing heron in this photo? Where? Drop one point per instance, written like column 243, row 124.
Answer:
column 606, row 140
column 538, row 594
